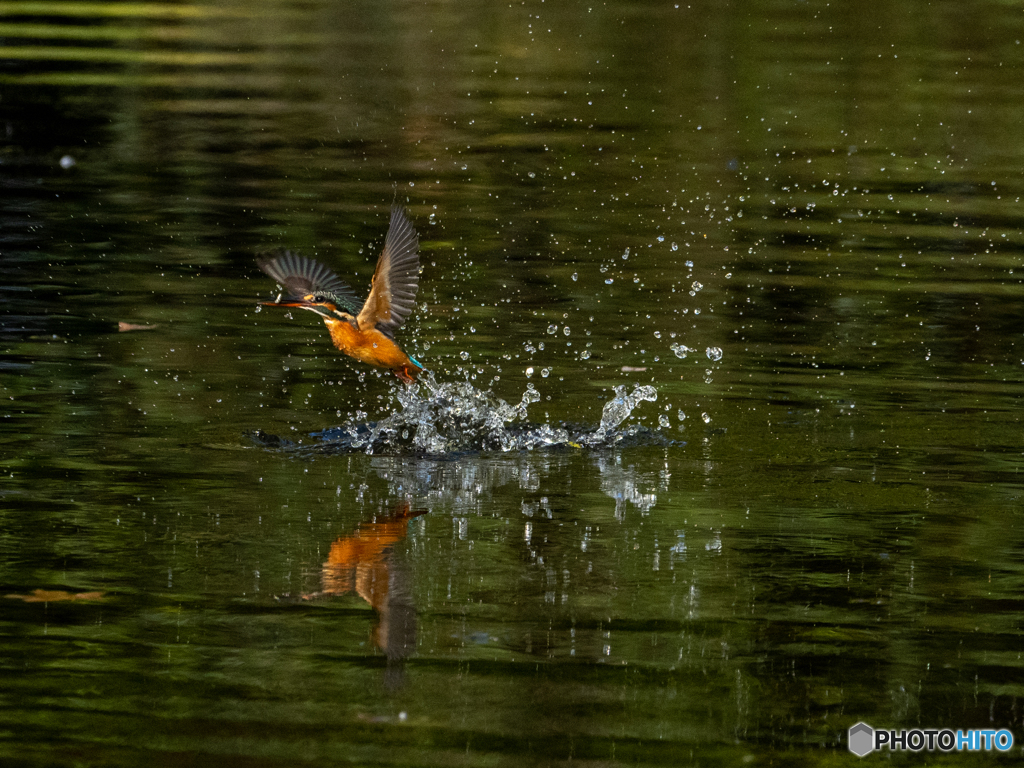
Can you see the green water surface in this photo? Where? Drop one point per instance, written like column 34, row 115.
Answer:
column 800, row 222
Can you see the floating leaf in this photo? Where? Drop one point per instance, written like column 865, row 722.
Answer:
column 55, row 596
column 122, row 326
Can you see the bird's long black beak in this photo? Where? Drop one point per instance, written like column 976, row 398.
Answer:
column 283, row 300
column 285, row 303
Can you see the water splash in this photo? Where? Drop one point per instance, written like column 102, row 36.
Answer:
column 440, row 419
column 617, row 410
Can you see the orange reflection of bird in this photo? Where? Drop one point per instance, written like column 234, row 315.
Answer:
column 367, row 332
column 364, row 563
column 360, row 561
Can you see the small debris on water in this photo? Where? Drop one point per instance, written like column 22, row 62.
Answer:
column 55, row 596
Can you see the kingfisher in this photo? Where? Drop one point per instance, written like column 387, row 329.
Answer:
column 365, row 333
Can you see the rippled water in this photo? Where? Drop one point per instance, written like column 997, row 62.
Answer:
column 719, row 450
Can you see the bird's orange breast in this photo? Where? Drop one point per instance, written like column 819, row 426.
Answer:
column 371, row 346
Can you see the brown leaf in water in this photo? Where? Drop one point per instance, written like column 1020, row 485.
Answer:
column 123, row 326
column 55, row 596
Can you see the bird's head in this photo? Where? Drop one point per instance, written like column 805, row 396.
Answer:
column 324, row 304
column 307, row 284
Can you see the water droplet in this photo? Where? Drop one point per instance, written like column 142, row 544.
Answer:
column 552, row 329
column 575, row 277
column 532, row 175
column 696, row 286
column 688, row 264
column 707, row 419
column 681, row 415
column 663, row 421
column 657, row 334
column 464, row 355
column 566, row 331
column 609, row 281
column 529, row 372
column 681, row 350
column 585, row 355
column 675, row 247
column 545, row 372
column 714, row 353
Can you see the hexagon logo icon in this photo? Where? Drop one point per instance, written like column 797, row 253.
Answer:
column 861, row 739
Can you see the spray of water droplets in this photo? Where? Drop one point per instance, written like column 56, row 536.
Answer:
column 442, row 419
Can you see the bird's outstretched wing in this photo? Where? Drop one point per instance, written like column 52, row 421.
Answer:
column 396, row 279
column 301, row 276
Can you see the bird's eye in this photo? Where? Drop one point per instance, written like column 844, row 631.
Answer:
column 318, row 299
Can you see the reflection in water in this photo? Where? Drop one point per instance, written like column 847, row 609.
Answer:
column 365, row 563
column 466, row 484
column 625, row 485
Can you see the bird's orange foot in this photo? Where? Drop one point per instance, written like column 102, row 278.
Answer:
column 404, row 374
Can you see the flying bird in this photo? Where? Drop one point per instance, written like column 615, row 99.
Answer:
column 363, row 331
